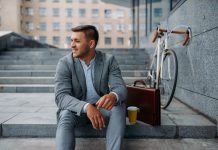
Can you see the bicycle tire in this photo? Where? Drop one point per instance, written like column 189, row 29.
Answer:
column 168, row 81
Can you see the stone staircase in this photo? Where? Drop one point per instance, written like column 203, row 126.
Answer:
column 27, row 107
column 30, row 70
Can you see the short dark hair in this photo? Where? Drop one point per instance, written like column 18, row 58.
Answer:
column 90, row 31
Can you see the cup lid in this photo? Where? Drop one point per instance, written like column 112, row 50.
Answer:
column 132, row 108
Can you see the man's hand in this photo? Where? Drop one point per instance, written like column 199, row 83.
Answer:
column 107, row 101
column 95, row 117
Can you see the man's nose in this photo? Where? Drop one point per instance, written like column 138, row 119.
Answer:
column 72, row 44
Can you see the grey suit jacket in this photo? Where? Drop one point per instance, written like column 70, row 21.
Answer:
column 70, row 83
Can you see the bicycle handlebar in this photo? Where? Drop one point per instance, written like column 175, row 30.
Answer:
column 155, row 36
column 186, row 38
column 160, row 30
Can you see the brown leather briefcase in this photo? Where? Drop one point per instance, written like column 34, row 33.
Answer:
column 147, row 100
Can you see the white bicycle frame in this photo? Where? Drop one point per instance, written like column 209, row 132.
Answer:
column 159, row 64
column 159, row 53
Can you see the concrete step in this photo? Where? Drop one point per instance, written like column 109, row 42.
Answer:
column 26, row 88
column 106, row 50
column 27, row 73
column 33, row 54
column 53, row 67
column 122, row 61
column 62, row 53
column 37, row 84
column 21, row 57
column 26, row 80
column 68, row 49
column 100, row 144
column 34, row 115
column 7, row 59
column 37, row 49
column 46, row 80
column 27, row 67
column 50, row 73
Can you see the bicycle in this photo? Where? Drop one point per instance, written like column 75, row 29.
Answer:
column 163, row 70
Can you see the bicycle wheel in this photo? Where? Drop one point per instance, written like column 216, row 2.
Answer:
column 168, row 77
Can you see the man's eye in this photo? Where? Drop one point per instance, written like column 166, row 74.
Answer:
column 75, row 40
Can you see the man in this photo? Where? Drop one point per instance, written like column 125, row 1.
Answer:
column 89, row 89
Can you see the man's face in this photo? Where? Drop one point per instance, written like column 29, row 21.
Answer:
column 79, row 44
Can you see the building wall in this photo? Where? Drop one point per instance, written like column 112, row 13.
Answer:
column 198, row 72
column 10, row 15
column 15, row 16
column 157, row 12
column 30, row 20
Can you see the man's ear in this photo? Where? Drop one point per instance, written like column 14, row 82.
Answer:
column 92, row 43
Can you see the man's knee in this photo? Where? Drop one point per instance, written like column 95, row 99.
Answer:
column 118, row 116
column 67, row 119
column 119, row 111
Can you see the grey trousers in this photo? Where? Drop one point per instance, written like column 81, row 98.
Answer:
column 68, row 121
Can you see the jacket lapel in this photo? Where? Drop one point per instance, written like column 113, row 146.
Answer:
column 80, row 75
column 98, row 71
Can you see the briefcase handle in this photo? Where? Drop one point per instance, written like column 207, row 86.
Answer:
column 139, row 81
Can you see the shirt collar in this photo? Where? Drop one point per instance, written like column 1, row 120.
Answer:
column 91, row 62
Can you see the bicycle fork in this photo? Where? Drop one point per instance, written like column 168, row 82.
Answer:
column 163, row 56
column 159, row 67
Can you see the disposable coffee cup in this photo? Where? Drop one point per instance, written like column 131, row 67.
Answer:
column 132, row 114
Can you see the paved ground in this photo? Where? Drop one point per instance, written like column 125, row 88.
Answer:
column 98, row 144
column 25, row 115
column 34, row 115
